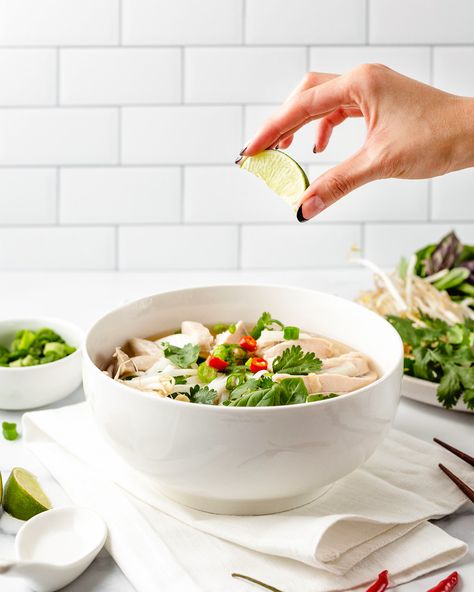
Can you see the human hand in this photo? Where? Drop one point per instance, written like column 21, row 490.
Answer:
column 414, row 131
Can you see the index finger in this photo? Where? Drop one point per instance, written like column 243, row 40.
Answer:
column 298, row 110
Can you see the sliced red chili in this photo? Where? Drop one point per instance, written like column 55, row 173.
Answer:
column 248, row 343
column 381, row 583
column 217, row 363
column 447, row 584
column 257, row 364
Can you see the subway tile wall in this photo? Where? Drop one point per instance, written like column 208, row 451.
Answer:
column 120, row 121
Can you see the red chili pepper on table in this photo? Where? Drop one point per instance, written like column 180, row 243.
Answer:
column 257, row 364
column 216, row 363
column 248, row 343
column 447, row 584
column 381, row 584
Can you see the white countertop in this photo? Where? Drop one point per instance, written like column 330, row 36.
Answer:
column 83, row 297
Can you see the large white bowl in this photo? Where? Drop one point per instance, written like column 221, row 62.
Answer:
column 35, row 386
column 236, row 460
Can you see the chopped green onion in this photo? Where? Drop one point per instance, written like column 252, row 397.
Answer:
column 232, row 328
column 236, row 378
column 206, row 373
column 9, row 431
column 220, row 328
column 180, row 379
column 291, row 333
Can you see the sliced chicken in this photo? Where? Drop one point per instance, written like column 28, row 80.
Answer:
column 269, row 337
column 145, row 362
column 349, row 364
column 198, row 333
column 143, row 347
column 331, row 383
column 123, row 364
column 227, row 337
column 322, row 348
column 176, row 339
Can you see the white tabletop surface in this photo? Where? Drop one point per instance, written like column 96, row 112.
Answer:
column 83, row 297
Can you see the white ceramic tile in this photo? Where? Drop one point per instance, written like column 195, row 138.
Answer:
column 229, row 194
column 58, row 136
column 234, row 75
column 113, row 195
column 27, row 196
column 59, row 22
column 411, row 61
column 384, row 200
column 421, row 21
column 297, row 246
column 178, row 247
column 184, row 134
column 305, row 21
column 176, row 22
column 55, row 248
column 453, row 69
column 453, row 197
column 120, row 76
column 27, row 77
column 346, row 138
column 386, row 243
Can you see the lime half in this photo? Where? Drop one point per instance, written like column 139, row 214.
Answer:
column 280, row 172
column 23, row 497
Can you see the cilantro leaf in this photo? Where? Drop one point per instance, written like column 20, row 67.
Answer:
column 264, row 322
column 182, row 357
column 202, row 394
column 263, row 392
column 320, row 397
column 468, row 398
column 449, row 387
column 440, row 353
column 294, row 361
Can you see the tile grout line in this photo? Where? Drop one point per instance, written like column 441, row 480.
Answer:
column 244, row 23
column 218, row 46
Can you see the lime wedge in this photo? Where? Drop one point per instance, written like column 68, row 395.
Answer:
column 280, row 172
column 23, row 497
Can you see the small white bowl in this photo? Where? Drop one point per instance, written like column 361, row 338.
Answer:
column 35, row 386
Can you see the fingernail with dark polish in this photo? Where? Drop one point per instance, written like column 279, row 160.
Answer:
column 299, row 215
column 276, row 147
column 242, row 152
column 238, row 160
column 315, row 150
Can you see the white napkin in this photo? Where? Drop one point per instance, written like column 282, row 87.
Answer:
column 374, row 519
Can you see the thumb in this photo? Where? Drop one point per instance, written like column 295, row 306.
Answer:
column 334, row 184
